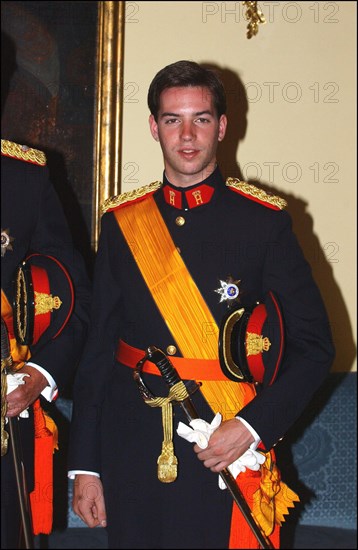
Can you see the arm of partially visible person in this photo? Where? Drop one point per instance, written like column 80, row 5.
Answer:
column 50, row 391
column 59, row 357
column 25, row 396
column 40, row 228
column 27, row 392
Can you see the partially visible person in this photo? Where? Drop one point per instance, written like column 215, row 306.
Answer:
column 37, row 257
column 174, row 258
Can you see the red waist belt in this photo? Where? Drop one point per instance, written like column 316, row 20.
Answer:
column 188, row 369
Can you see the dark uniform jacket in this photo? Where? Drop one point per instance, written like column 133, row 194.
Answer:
column 231, row 235
column 32, row 221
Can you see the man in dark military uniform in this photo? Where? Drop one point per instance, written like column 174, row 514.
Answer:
column 173, row 259
column 50, row 341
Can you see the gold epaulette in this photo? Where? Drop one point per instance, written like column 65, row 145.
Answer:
column 129, row 196
column 255, row 193
column 22, row 152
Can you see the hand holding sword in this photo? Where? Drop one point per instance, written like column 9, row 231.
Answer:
column 172, row 378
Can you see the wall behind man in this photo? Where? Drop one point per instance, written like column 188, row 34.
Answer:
column 292, row 108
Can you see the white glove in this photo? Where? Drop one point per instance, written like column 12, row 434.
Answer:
column 13, row 381
column 200, row 432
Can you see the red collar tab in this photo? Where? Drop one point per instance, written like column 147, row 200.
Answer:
column 173, row 197
column 197, row 196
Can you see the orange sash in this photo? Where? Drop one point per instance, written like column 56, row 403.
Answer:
column 191, row 323
column 41, row 498
column 178, row 299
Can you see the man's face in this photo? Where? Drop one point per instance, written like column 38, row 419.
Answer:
column 188, row 130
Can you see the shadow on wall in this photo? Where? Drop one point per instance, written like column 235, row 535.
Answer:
column 321, row 257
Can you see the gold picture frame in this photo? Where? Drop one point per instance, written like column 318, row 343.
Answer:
column 108, row 112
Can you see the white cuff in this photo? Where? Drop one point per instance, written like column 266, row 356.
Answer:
column 72, row 473
column 50, row 392
column 255, row 443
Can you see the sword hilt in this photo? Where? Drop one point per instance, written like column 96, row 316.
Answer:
column 164, row 365
column 166, row 369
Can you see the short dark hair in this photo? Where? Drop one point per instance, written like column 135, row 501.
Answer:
column 186, row 74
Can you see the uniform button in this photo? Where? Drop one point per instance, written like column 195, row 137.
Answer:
column 171, row 350
column 180, row 221
column 178, row 249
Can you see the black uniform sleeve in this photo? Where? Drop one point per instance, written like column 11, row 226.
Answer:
column 309, row 350
column 98, row 357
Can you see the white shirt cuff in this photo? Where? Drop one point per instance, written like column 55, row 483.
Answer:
column 72, row 473
column 51, row 391
column 255, row 443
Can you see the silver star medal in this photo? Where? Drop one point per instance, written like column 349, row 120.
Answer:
column 6, row 241
column 229, row 290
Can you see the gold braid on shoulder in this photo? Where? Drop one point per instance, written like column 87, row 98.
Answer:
column 256, row 193
column 129, row 196
column 22, row 152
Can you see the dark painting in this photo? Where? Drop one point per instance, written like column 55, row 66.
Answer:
column 48, row 96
